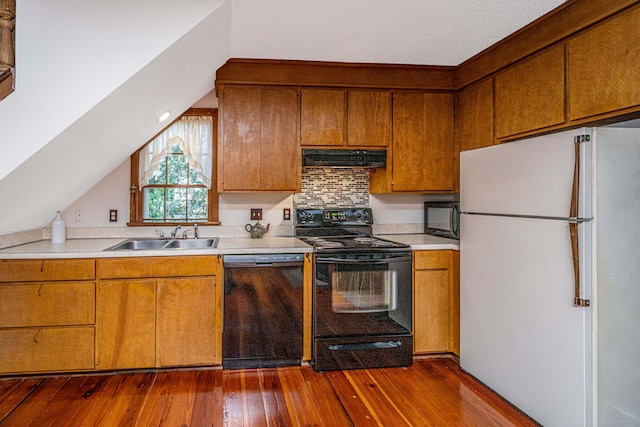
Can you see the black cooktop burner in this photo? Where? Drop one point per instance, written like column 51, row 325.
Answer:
column 341, row 230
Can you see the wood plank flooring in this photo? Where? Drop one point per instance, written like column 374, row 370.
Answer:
column 431, row 392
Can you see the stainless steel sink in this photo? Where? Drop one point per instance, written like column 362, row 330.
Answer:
column 162, row 244
column 192, row 243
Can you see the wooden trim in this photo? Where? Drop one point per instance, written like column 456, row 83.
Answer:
column 135, row 204
column 219, row 272
column 7, row 82
column 307, row 318
column 334, row 74
column 560, row 23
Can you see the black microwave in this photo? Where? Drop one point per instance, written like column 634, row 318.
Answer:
column 442, row 219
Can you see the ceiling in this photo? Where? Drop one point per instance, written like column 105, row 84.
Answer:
column 423, row 32
column 104, row 70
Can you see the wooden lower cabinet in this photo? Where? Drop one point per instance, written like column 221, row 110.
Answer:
column 46, row 349
column 165, row 319
column 125, row 324
column 185, row 324
column 47, row 316
column 47, row 304
column 436, row 317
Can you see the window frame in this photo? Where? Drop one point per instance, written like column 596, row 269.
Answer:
column 136, row 199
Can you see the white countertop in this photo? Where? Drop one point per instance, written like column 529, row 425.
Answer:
column 94, row 248
column 419, row 242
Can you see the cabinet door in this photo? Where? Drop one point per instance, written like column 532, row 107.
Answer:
column 435, row 321
column 603, row 67
column 423, row 152
column 125, row 324
column 530, row 94
column 239, row 142
column 280, row 161
column 475, row 116
column 368, row 118
column 186, row 321
column 431, row 330
column 322, row 114
column 259, row 140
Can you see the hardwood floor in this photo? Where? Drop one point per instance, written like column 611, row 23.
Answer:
column 432, row 392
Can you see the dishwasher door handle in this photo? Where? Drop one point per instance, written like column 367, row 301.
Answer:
column 266, row 264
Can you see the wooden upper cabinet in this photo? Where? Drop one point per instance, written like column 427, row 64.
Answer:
column 422, row 142
column 368, row 118
column 322, row 117
column 530, row 95
column 259, row 140
column 603, row 67
column 474, row 116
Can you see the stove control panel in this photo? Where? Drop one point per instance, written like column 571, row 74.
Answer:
column 328, row 217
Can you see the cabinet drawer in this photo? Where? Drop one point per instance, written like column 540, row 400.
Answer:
column 46, row 349
column 117, row 268
column 47, row 270
column 47, row 304
column 431, row 260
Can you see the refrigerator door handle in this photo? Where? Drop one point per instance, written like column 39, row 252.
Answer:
column 574, row 221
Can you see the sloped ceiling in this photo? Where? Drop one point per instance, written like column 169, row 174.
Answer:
column 92, row 77
column 423, row 32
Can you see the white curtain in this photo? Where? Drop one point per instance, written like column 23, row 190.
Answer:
column 193, row 135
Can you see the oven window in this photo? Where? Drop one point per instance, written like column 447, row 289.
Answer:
column 359, row 291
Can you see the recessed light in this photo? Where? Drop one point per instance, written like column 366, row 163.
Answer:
column 164, row 116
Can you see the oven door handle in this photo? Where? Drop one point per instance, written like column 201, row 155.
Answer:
column 361, row 261
column 365, row 346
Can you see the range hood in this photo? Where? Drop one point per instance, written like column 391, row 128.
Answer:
column 345, row 158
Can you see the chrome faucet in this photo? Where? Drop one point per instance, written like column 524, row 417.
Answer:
column 175, row 230
column 195, row 231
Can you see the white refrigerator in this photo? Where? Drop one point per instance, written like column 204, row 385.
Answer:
column 529, row 271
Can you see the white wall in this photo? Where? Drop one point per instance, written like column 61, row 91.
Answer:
column 113, row 193
column 85, row 98
column 110, row 193
column 97, row 46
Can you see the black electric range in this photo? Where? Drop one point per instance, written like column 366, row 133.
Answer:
column 341, row 230
column 362, row 291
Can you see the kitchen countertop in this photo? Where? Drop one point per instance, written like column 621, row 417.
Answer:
column 419, row 242
column 94, row 248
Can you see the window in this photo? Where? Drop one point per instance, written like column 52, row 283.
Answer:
column 173, row 176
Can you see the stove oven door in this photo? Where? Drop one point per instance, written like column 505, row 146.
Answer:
column 362, row 310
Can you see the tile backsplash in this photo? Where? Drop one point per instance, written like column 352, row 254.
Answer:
column 333, row 187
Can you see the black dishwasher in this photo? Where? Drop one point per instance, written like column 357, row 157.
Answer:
column 262, row 310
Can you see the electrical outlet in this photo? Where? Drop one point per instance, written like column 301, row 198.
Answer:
column 78, row 215
column 256, row 214
column 286, row 214
column 113, row 215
